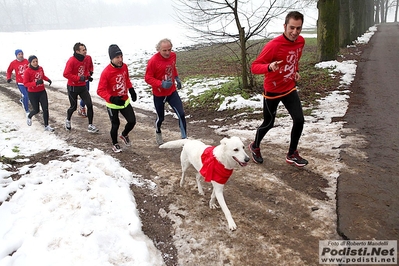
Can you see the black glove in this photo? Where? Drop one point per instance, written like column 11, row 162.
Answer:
column 117, row 100
column 82, row 78
column 49, row 82
column 9, row 80
column 89, row 78
column 178, row 82
column 39, row 81
column 91, row 73
column 133, row 94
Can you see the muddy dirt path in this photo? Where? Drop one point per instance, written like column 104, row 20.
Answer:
column 281, row 211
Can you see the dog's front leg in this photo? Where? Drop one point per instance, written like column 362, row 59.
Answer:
column 212, row 202
column 198, row 177
column 218, row 193
column 182, row 179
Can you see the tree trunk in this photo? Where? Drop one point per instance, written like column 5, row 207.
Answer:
column 370, row 13
column 386, row 10
column 396, row 11
column 382, row 10
column 377, row 12
column 344, row 22
column 362, row 19
column 244, row 63
column 355, row 7
column 328, row 29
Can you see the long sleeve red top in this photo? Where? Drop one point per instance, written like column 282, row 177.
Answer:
column 31, row 75
column 74, row 69
column 19, row 68
column 279, row 49
column 114, row 81
column 159, row 69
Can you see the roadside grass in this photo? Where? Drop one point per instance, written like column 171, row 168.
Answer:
column 221, row 60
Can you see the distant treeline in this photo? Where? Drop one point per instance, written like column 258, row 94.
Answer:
column 34, row 15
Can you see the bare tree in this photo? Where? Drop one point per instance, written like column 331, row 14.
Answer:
column 389, row 4
column 396, row 10
column 230, row 21
column 382, row 8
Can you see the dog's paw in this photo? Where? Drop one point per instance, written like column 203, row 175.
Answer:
column 201, row 191
column 213, row 205
column 232, row 226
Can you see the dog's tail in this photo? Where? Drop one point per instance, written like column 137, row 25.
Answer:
column 174, row 144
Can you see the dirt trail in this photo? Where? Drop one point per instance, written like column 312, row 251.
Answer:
column 281, row 211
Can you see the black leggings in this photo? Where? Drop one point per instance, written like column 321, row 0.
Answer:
column 39, row 97
column 73, row 93
column 130, row 117
column 293, row 104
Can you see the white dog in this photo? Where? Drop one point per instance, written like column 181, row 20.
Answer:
column 215, row 164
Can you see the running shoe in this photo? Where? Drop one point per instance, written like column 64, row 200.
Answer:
column 68, row 125
column 82, row 111
column 125, row 139
column 29, row 121
column 296, row 159
column 256, row 156
column 158, row 138
column 48, row 128
column 116, row 148
column 92, row 129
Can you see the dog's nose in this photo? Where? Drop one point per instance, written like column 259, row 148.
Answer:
column 246, row 159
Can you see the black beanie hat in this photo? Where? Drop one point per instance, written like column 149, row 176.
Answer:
column 114, row 51
column 31, row 57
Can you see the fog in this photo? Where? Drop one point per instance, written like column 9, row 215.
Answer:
column 36, row 15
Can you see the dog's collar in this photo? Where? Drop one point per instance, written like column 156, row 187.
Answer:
column 212, row 169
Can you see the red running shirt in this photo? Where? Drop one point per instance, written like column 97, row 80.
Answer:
column 114, row 81
column 31, row 76
column 159, row 69
column 279, row 49
column 19, row 67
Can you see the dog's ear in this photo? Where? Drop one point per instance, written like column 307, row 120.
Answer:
column 223, row 141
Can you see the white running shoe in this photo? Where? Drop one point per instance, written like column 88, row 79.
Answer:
column 92, row 129
column 82, row 111
column 48, row 128
column 68, row 125
column 158, row 138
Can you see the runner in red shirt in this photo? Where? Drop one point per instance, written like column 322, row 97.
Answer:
column 33, row 80
column 77, row 72
column 161, row 74
column 19, row 65
column 278, row 61
column 113, row 87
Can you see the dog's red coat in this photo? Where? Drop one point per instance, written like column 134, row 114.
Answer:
column 212, row 169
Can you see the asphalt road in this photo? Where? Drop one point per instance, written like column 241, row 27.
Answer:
column 368, row 188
